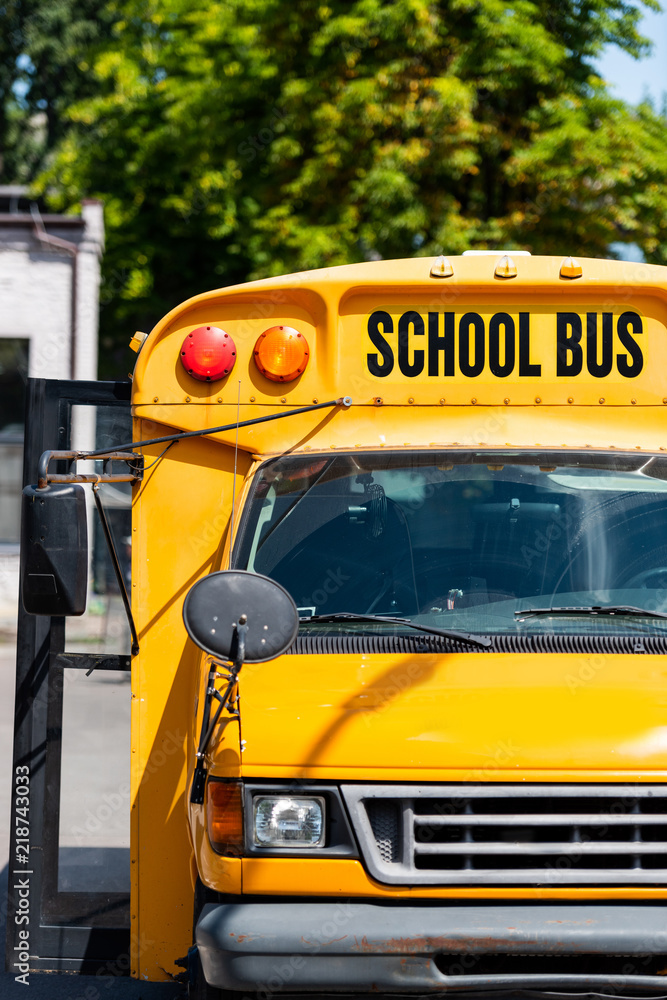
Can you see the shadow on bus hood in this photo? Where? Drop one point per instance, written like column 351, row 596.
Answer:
column 362, row 715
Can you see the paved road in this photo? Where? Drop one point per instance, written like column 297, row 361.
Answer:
column 79, row 820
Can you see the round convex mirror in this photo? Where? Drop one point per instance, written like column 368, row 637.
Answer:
column 215, row 604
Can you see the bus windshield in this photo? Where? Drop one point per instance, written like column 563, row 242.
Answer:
column 465, row 540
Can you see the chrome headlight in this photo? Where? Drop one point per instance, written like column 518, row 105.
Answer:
column 288, row 821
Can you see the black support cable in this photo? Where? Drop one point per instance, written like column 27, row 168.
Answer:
column 116, row 568
column 117, row 453
column 345, row 401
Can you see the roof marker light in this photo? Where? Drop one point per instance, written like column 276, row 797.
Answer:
column 208, row 353
column 441, row 268
column 570, row 268
column 138, row 341
column 505, row 268
column 281, row 353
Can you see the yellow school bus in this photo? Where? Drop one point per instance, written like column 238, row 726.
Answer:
column 439, row 760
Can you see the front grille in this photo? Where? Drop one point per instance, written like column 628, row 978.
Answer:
column 512, row 834
column 384, row 817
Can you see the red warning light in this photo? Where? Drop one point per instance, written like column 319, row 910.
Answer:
column 208, row 353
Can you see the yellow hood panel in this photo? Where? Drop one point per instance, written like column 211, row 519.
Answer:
column 317, row 715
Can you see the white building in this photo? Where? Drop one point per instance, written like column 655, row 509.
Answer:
column 49, row 304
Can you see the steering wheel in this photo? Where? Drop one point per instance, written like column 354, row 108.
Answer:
column 649, row 579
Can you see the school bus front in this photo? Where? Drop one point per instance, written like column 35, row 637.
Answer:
column 454, row 777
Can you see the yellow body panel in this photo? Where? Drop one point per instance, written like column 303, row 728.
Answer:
column 456, row 717
column 290, row 877
column 331, row 308
column 415, row 717
column 174, row 544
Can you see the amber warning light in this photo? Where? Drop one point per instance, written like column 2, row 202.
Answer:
column 281, row 353
column 208, row 353
column 224, row 816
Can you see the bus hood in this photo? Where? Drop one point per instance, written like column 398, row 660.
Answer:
column 461, row 716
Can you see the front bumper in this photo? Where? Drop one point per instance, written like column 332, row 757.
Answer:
column 395, row 947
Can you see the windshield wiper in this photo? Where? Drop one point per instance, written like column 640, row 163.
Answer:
column 622, row 610
column 342, row 616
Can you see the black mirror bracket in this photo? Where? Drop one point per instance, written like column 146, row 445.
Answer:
column 113, row 555
column 134, row 473
column 54, row 534
column 208, row 725
column 236, row 617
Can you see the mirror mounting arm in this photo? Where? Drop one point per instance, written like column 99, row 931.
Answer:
column 113, row 555
column 134, row 461
column 235, row 616
column 208, row 727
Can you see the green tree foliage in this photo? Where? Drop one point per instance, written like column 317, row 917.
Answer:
column 232, row 139
column 46, row 54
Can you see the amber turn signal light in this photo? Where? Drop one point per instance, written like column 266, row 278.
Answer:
column 281, row 353
column 224, row 816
